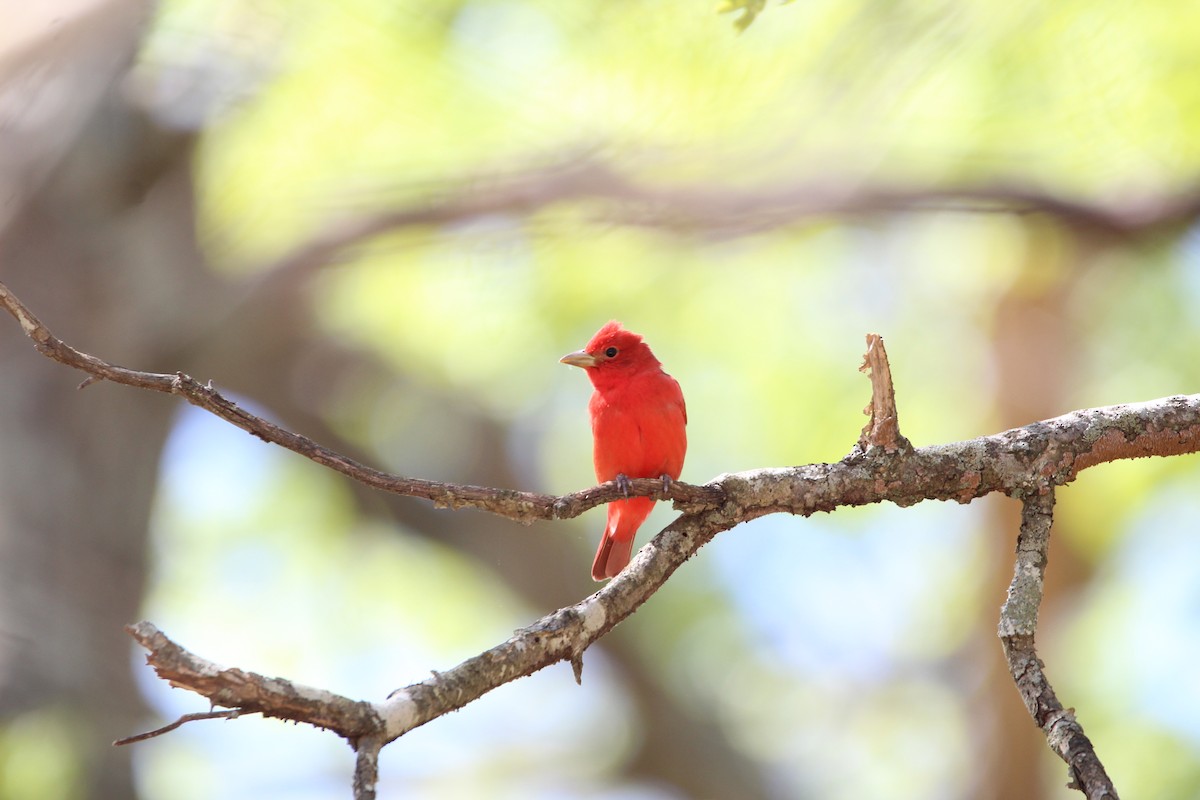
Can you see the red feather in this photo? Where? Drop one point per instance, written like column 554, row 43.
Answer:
column 638, row 427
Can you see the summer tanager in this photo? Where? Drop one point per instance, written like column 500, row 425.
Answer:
column 638, row 430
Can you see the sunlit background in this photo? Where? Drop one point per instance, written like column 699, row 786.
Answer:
column 552, row 165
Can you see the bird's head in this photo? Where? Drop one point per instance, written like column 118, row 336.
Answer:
column 612, row 351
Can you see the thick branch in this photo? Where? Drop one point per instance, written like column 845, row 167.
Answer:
column 1018, row 624
column 1053, row 451
column 561, row 636
column 252, row 693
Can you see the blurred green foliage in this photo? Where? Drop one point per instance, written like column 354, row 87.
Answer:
column 38, row 756
column 368, row 105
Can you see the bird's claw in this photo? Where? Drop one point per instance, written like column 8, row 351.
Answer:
column 666, row 481
column 622, row 481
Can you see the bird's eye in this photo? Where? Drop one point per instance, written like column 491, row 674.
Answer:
column 610, row 352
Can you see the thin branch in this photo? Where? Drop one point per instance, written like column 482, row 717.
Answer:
column 231, row 713
column 523, row 507
column 1018, row 624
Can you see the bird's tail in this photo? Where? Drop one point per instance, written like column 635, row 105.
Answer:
column 616, row 546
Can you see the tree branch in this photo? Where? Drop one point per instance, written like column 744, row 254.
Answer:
column 520, row 506
column 561, row 636
column 882, row 467
column 1018, row 624
column 231, row 713
column 251, row 693
column 1051, row 450
column 366, row 766
column 1055, row 449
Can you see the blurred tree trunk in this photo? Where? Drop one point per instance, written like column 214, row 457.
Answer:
column 97, row 237
column 1032, row 353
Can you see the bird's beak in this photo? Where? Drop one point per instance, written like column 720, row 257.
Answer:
column 580, row 358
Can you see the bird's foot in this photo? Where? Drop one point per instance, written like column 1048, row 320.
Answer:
column 666, row 480
column 622, row 481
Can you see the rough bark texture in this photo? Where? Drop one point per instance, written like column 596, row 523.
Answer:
column 1018, row 625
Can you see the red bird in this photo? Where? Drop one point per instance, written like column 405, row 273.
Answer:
column 638, row 430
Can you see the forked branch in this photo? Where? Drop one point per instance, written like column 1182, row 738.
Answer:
column 1027, row 462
